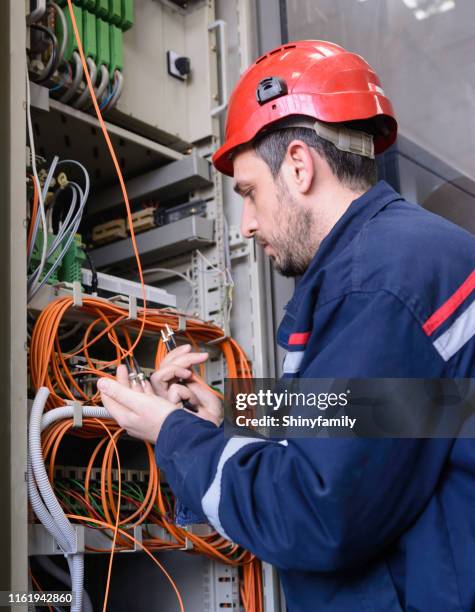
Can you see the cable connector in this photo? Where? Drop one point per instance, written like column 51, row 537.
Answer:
column 136, row 374
column 168, row 338
column 62, row 180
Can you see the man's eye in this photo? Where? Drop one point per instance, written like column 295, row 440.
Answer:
column 250, row 195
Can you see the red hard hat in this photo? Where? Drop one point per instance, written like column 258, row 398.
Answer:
column 308, row 77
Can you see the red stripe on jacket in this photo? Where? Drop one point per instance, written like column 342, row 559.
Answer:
column 450, row 306
column 299, row 338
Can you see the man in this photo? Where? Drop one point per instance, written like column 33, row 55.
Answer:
column 387, row 291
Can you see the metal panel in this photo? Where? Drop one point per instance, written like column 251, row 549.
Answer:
column 59, row 129
column 176, row 179
column 255, row 27
column 205, row 585
column 160, row 243
column 122, row 286
column 13, row 509
column 176, row 112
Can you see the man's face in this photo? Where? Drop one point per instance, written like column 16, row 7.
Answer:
column 273, row 215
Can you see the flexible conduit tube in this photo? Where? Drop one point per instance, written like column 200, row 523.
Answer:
column 67, row 412
column 42, row 511
column 51, row 502
column 57, row 572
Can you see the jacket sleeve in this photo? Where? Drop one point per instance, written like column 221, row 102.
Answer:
column 313, row 504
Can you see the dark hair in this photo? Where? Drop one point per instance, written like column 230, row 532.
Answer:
column 354, row 171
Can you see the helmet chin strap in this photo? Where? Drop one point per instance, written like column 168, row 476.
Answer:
column 344, row 139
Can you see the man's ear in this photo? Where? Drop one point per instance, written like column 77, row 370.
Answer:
column 300, row 166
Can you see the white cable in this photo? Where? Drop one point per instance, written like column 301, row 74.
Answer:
column 35, row 282
column 72, row 233
column 171, row 272
column 228, row 286
column 41, row 205
column 102, row 87
column 42, row 192
column 118, row 92
column 34, row 286
column 78, row 74
column 64, row 29
column 85, row 94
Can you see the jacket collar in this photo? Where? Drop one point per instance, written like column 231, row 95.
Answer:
column 344, row 231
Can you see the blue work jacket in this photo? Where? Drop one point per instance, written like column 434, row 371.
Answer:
column 369, row 525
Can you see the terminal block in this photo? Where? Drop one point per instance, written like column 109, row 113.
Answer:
column 88, row 5
column 127, row 19
column 73, row 262
column 103, row 43
column 115, row 12
column 116, row 48
column 108, row 232
column 89, row 35
column 36, row 258
column 143, row 219
column 102, row 8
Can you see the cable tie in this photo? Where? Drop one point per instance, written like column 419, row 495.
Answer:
column 188, row 543
column 181, row 323
column 132, row 307
column 218, row 340
column 77, row 294
column 77, row 414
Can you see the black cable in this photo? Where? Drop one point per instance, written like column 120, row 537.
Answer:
column 52, row 63
column 94, row 280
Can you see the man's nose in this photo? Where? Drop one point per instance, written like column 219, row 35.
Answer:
column 249, row 225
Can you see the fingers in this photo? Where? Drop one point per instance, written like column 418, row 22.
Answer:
column 141, row 386
column 147, row 387
column 118, row 412
column 177, row 393
column 183, row 356
column 122, row 375
column 179, row 367
column 128, row 398
column 167, row 372
column 179, row 350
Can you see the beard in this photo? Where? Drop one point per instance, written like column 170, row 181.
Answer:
column 293, row 239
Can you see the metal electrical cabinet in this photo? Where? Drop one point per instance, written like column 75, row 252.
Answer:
column 164, row 127
column 175, row 110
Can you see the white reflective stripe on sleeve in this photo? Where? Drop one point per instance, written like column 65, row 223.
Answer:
column 212, row 497
column 292, row 362
column 458, row 334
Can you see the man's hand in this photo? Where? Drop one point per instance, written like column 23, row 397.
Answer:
column 177, row 365
column 141, row 413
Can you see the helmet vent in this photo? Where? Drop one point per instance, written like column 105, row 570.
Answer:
column 270, row 88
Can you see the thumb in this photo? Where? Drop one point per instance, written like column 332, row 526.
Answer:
column 129, row 398
column 177, row 393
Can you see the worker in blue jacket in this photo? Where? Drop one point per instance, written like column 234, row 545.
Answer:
column 387, row 289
